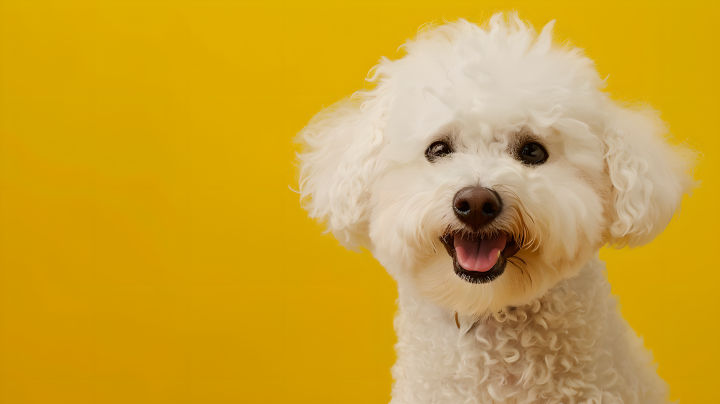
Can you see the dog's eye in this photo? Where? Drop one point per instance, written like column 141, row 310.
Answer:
column 532, row 153
column 437, row 150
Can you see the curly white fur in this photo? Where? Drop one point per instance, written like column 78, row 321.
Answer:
column 546, row 330
column 570, row 346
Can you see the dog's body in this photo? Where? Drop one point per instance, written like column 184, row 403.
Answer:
column 484, row 172
column 569, row 346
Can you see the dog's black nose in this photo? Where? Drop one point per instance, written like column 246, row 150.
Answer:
column 476, row 206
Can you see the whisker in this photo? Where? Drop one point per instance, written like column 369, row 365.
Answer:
column 529, row 276
column 521, row 270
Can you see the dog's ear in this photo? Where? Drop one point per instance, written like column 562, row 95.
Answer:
column 337, row 165
column 649, row 176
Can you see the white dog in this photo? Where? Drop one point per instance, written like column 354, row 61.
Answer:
column 485, row 170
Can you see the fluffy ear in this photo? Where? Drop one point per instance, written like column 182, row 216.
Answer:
column 337, row 165
column 649, row 176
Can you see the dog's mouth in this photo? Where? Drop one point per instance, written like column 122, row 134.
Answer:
column 479, row 259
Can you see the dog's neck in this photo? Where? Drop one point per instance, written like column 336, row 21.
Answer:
column 589, row 278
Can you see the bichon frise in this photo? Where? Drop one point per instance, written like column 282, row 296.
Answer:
column 484, row 171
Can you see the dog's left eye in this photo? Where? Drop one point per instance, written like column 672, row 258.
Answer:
column 437, row 150
column 532, row 153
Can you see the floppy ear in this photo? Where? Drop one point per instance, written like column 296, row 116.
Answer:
column 337, row 166
column 649, row 176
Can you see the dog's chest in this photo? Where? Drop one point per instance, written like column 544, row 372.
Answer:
column 569, row 346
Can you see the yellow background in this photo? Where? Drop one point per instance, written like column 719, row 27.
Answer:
column 151, row 251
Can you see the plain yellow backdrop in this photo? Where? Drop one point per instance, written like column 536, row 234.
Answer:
column 152, row 252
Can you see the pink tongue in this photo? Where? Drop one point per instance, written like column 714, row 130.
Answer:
column 479, row 255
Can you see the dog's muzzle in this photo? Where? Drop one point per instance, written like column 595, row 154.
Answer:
column 478, row 258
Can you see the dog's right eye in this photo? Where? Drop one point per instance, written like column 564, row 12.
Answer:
column 437, row 150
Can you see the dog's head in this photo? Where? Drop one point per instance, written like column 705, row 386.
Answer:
column 487, row 164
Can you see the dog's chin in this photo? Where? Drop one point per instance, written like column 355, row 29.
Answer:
column 505, row 246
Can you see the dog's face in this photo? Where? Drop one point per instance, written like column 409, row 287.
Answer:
column 487, row 165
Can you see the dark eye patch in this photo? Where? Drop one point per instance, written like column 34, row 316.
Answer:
column 438, row 150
